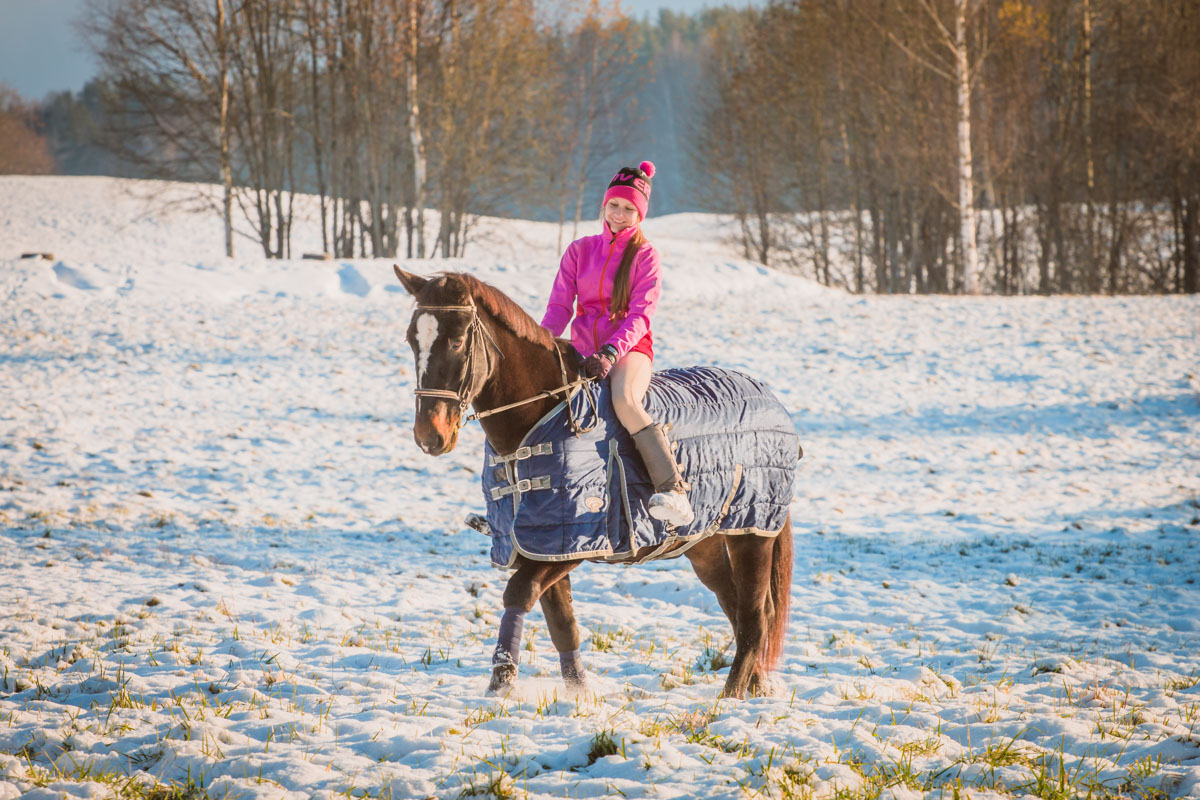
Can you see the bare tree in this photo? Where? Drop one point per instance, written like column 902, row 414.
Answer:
column 416, row 137
column 600, row 78
column 173, row 65
column 25, row 151
column 736, row 141
column 942, row 49
column 264, row 58
column 225, row 157
column 161, row 59
column 966, row 183
column 484, row 124
column 1168, row 111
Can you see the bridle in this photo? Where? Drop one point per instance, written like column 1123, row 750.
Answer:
column 471, row 386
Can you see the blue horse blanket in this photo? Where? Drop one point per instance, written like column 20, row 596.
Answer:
column 563, row 496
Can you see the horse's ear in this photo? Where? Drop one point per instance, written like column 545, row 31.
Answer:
column 413, row 283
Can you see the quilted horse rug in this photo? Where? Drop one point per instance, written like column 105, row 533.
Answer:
column 566, row 496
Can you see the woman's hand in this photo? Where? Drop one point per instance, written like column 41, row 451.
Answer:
column 598, row 366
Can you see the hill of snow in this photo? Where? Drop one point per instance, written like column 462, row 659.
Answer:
column 224, row 563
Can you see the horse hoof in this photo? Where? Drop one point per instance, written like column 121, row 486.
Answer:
column 739, row 691
column 503, row 679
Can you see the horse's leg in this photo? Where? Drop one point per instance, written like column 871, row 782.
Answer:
column 560, row 619
column 524, row 588
column 710, row 560
column 750, row 558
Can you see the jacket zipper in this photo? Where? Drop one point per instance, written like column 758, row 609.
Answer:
column 600, row 291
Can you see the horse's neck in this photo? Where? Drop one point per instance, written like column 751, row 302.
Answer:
column 525, row 370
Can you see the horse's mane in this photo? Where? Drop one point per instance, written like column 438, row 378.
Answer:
column 504, row 310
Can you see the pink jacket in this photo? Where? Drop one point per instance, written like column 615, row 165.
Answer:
column 584, row 287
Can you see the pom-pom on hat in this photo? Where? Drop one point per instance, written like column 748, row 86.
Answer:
column 632, row 184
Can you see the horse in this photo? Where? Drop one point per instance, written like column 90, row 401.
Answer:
column 475, row 347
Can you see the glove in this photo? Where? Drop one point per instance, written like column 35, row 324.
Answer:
column 598, row 366
column 574, row 357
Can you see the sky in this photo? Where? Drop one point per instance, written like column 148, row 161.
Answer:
column 40, row 51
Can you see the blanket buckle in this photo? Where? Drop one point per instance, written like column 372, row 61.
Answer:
column 523, row 453
column 521, row 487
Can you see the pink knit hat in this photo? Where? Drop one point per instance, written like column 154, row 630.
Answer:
column 632, row 184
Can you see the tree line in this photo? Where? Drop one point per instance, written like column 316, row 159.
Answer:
column 384, row 109
column 1008, row 146
column 888, row 146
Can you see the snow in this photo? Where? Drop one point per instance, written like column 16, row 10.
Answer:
column 224, row 560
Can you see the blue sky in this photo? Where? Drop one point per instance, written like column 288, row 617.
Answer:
column 40, row 51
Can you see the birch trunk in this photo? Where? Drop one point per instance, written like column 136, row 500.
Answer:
column 414, row 126
column 1090, row 166
column 966, row 185
column 226, row 170
column 313, row 34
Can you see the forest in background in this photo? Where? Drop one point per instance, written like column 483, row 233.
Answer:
column 888, row 146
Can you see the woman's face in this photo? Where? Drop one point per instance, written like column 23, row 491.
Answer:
column 619, row 214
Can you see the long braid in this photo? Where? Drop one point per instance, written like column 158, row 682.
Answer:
column 622, row 288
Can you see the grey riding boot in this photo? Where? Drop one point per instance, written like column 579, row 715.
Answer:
column 669, row 503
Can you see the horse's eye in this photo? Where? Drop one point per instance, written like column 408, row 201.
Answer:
column 457, row 344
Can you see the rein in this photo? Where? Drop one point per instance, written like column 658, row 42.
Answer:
column 548, row 393
column 466, row 391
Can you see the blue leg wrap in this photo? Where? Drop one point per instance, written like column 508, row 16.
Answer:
column 508, row 642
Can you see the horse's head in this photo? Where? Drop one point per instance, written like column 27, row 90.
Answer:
column 453, row 351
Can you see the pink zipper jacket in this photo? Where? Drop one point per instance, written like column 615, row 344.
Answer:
column 584, row 288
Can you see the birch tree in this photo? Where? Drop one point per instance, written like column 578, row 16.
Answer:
column 168, row 69
column 945, row 54
column 966, row 182
column 225, row 157
column 187, row 78
column 416, row 136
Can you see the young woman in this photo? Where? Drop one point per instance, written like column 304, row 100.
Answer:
column 610, row 283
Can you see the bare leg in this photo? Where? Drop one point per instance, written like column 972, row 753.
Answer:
column 629, row 379
column 560, row 619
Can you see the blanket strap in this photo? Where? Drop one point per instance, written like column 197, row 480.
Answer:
column 522, row 486
column 522, row 453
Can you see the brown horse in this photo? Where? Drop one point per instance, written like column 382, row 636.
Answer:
column 475, row 346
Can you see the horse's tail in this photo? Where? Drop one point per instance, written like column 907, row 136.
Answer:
column 781, row 593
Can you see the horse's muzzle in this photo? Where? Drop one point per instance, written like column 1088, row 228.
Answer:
column 436, row 431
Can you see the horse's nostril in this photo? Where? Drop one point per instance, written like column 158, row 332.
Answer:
column 435, row 434
column 431, row 444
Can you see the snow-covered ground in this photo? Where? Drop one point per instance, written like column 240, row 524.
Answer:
column 226, row 567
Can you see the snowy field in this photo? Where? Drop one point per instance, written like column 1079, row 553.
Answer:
column 226, row 570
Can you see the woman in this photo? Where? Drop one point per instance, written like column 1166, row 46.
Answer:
column 610, row 283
